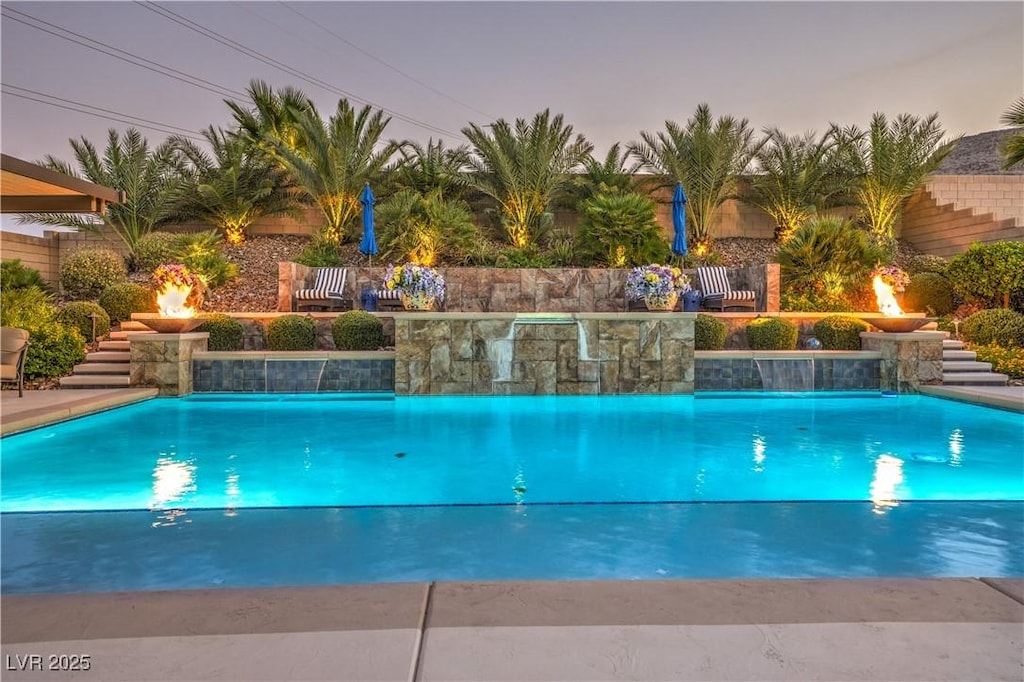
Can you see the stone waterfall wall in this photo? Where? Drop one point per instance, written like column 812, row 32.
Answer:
column 544, row 354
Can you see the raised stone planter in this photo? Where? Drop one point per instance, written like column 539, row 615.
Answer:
column 164, row 361
column 909, row 360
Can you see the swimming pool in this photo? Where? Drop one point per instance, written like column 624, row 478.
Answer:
column 909, row 485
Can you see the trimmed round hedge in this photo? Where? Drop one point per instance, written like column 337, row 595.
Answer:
column 155, row 248
column 840, row 332
column 929, row 292
column 87, row 272
column 226, row 333
column 771, row 333
column 708, row 333
column 121, row 300
column 1001, row 326
column 291, row 332
column 78, row 314
column 54, row 350
column 357, row 330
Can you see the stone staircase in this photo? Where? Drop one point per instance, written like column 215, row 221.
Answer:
column 961, row 367
column 110, row 366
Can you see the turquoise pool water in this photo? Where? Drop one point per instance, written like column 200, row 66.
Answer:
column 229, row 491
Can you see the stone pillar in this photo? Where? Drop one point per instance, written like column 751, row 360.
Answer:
column 164, row 361
column 909, row 360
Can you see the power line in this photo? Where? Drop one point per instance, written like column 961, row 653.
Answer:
column 109, row 118
column 160, row 68
column 270, row 61
column 381, row 61
column 185, row 131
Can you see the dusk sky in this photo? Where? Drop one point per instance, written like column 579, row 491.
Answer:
column 612, row 68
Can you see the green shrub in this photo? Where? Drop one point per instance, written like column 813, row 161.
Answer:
column 529, row 256
column 996, row 325
column 14, row 275
column 814, row 303
column 827, row 257
column 200, row 252
column 709, row 333
column 620, row 230
column 226, row 333
column 771, row 333
column 292, row 332
column 121, row 300
column 156, row 248
column 320, row 253
column 357, row 330
column 87, row 272
column 54, row 351
column 840, row 332
column 929, row 292
column 915, row 265
column 26, row 308
column 993, row 272
column 1008, row 361
column 78, row 314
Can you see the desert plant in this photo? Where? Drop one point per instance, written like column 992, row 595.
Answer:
column 423, row 228
column 87, row 272
column 995, row 325
column 771, row 333
column 840, row 332
column 612, row 175
column 929, row 292
column 54, row 351
column 226, row 333
column 992, row 272
column 707, row 156
column 292, row 332
column 78, row 314
column 357, row 330
column 709, row 333
column 826, row 256
column 525, row 166
column 1013, row 146
column 434, row 168
column 123, row 299
column 15, row 275
column 620, row 230
column 148, row 178
column 200, row 252
column 26, row 308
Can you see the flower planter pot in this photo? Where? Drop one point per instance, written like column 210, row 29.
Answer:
column 418, row 301
column 663, row 302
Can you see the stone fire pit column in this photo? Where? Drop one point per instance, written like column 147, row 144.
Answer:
column 909, row 360
column 164, row 361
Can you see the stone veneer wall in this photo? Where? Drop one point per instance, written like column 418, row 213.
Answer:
column 506, row 354
column 815, row 371
column 527, row 290
column 164, row 361
column 294, row 372
column 908, row 361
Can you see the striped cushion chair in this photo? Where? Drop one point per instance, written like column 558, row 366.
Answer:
column 389, row 299
column 718, row 294
column 328, row 291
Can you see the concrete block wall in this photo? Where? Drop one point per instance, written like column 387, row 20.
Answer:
column 39, row 253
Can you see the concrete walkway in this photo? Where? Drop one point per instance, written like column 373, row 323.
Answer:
column 37, row 408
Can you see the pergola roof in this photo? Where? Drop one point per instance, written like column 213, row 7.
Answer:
column 28, row 188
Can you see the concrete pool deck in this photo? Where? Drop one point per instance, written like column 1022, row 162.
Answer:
column 858, row 629
column 951, row 629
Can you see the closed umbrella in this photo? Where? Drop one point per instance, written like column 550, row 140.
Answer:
column 369, row 244
column 679, row 221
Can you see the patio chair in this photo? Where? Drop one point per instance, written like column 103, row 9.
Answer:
column 389, row 299
column 13, row 347
column 719, row 294
column 328, row 291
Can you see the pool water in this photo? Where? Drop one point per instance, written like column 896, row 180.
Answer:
column 233, row 491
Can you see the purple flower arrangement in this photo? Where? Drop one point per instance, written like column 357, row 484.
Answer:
column 655, row 280
column 413, row 279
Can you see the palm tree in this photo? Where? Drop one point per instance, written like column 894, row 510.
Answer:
column 524, row 168
column 797, row 177
column 707, row 156
column 894, row 160
column 614, row 174
column 1013, row 145
column 434, row 167
column 330, row 160
column 235, row 187
column 148, row 178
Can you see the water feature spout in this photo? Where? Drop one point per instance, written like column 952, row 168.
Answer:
column 785, row 374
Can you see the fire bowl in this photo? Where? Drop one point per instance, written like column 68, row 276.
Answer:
column 172, row 325
column 898, row 324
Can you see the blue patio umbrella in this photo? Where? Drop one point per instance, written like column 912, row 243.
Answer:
column 679, row 221
column 369, row 244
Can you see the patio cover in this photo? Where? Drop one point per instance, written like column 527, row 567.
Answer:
column 28, row 188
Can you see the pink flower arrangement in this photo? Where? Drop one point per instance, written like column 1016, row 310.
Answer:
column 893, row 276
column 176, row 275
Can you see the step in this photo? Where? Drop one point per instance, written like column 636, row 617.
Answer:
column 948, row 355
column 103, row 368
column 974, row 379
column 947, row 344
column 109, row 356
column 125, row 335
column 966, row 366
column 115, row 345
column 95, row 381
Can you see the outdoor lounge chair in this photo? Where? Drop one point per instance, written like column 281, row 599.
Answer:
column 328, row 291
column 389, row 299
column 13, row 346
column 718, row 294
